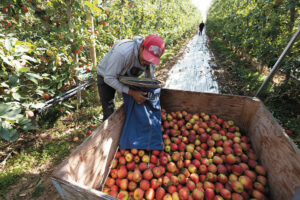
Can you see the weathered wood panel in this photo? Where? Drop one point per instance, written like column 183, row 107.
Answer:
column 229, row 107
column 74, row 191
column 250, row 108
column 88, row 165
column 277, row 153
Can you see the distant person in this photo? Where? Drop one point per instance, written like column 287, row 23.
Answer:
column 201, row 26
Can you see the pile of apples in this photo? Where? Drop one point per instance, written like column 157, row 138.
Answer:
column 204, row 157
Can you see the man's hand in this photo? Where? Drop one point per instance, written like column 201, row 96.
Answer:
column 138, row 96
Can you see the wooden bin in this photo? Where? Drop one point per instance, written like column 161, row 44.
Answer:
column 83, row 173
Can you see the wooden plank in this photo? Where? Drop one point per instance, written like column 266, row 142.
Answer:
column 74, row 191
column 229, row 107
column 88, row 165
column 277, row 153
column 250, row 108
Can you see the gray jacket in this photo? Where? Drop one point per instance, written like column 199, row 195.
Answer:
column 120, row 56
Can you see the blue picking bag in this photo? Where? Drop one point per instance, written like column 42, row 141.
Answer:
column 142, row 128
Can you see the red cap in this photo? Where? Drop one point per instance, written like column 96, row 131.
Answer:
column 154, row 47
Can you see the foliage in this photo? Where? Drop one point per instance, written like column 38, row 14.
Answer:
column 260, row 28
column 44, row 46
column 282, row 100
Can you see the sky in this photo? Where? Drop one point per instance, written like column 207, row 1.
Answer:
column 203, row 6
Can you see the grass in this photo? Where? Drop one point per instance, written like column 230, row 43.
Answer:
column 32, row 157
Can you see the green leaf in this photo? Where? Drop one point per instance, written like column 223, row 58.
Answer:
column 38, row 105
column 28, row 127
column 12, row 115
column 8, row 134
column 16, row 96
column 59, row 85
column 21, row 49
column 4, row 108
column 32, row 77
column 6, row 60
column 13, row 80
column 23, row 121
column 35, row 76
column 25, row 57
column 93, row 8
column 24, row 69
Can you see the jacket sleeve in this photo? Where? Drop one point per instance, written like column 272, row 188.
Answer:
column 114, row 65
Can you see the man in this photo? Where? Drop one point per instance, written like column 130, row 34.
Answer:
column 201, row 26
column 130, row 58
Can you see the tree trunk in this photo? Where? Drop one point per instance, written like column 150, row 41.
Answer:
column 93, row 53
column 291, row 26
column 292, row 16
column 71, row 29
column 92, row 38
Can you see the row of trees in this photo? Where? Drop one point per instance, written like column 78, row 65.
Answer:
column 260, row 28
column 48, row 47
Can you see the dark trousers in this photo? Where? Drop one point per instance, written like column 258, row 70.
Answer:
column 107, row 97
column 200, row 31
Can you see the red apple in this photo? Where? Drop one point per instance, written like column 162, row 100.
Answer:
column 226, row 194
column 123, row 195
column 246, row 182
column 132, row 186
column 197, row 194
column 181, row 178
column 124, row 184
column 144, row 185
column 237, row 170
column 184, row 193
column 258, row 195
column 260, row 170
column 128, row 157
column 171, row 167
column 236, row 196
column 138, row 194
column 160, row 193
column 137, row 176
column 122, row 172
column 150, row 194
column 237, row 186
column 230, row 159
column 203, row 169
column 194, row 177
column 209, row 194
column 163, row 160
column 148, row 174
column 222, row 178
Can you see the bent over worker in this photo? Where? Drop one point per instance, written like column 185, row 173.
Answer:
column 129, row 58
